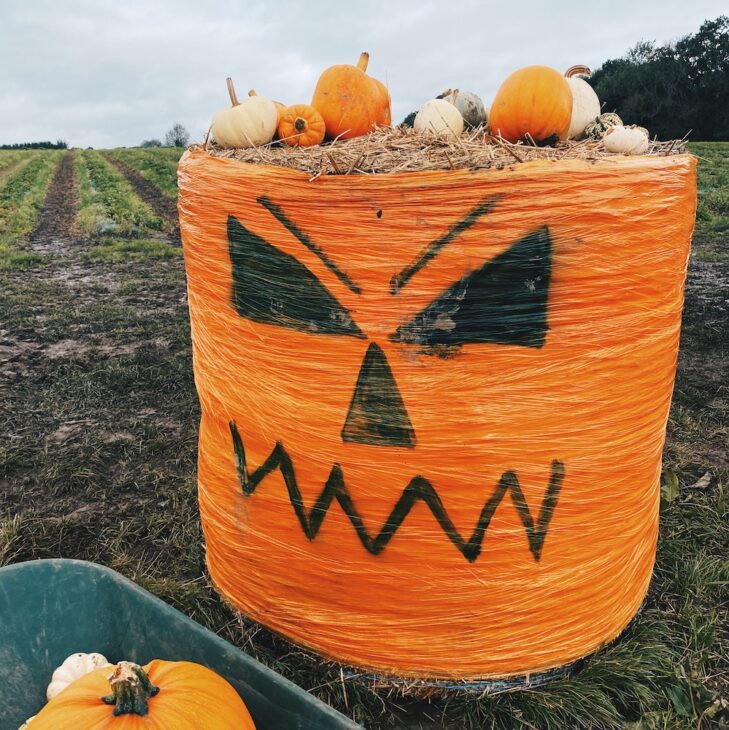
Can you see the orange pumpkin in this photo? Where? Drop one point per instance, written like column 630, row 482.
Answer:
column 351, row 102
column 301, row 126
column 162, row 695
column 534, row 101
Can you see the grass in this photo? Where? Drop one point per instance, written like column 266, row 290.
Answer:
column 712, row 213
column 158, row 165
column 10, row 158
column 107, row 202
column 98, row 458
column 22, row 193
column 118, row 250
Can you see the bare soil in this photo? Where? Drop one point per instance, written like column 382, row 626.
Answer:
column 56, row 220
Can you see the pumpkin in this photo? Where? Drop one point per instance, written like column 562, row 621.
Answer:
column 26, row 723
column 280, row 108
column 439, row 117
column 160, row 696
column 585, row 104
column 351, row 102
column 469, row 104
column 626, row 140
column 597, row 127
column 534, row 101
column 74, row 667
column 248, row 123
column 301, row 126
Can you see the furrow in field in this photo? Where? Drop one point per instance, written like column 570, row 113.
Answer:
column 161, row 204
column 56, row 221
column 108, row 204
column 159, row 166
column 22, row 195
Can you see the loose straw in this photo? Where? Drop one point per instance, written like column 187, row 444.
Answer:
column 390, row 151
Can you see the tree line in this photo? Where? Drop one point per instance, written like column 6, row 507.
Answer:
column 57, row 145
column 673, row 89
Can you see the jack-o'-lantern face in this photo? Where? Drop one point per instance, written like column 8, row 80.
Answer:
column 503, row 302
column 433, row 404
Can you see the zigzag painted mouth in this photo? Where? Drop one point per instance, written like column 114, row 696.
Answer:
column 418, row 488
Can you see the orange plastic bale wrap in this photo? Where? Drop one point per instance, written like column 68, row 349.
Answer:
column 434, row 403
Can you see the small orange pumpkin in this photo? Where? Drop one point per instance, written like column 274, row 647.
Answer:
column 351, row 102
column 162, row 695
column 301, row 126
column 534, row 101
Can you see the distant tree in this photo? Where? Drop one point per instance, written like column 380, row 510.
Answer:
column 151, row 143
column 177, row 136
column 58, row 145
column 674, row 88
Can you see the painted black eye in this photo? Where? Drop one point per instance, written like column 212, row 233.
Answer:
column 504, row 302
column 271, row 287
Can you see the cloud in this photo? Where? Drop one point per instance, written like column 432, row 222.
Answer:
column 110, row 74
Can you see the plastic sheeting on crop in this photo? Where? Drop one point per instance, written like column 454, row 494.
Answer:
column 434, row 404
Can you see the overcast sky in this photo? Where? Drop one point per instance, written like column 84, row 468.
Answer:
column 106, row 73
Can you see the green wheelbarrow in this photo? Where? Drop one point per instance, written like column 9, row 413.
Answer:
column 50, row 609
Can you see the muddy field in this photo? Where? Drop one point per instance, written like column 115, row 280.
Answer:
column 98, row 428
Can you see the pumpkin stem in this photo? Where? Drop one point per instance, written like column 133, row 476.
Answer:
column 447, row 94
column 131, row 689
column 252, row 92
column 364, row 59
column 231, row 91
column 578, row 71
column 300, row 124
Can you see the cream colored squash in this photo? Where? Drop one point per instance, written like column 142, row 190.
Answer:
column 439, row 117
column 249, row 123
column 626, row 140
column 585, row 104
column 73, row 668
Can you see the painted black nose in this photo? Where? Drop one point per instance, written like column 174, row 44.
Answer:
column 377, row 414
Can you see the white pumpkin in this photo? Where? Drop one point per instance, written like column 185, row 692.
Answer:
column 249, row 123
column 585, row 104
column 626, row 140
column 470, row 105
column 73, row 668
column 439, row 117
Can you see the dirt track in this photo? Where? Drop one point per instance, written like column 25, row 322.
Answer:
column 59, row 211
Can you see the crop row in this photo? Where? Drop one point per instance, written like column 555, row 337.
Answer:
column 22, row 194
column 10, row 158
column 159, row 166
column 107, row 202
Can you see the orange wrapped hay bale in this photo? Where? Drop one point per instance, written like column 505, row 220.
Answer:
column 434, row 403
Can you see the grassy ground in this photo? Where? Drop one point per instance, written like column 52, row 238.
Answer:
column 107, row 202
column 23, row 189
column 158, row 167
column 98, row 417
column 10, row 158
